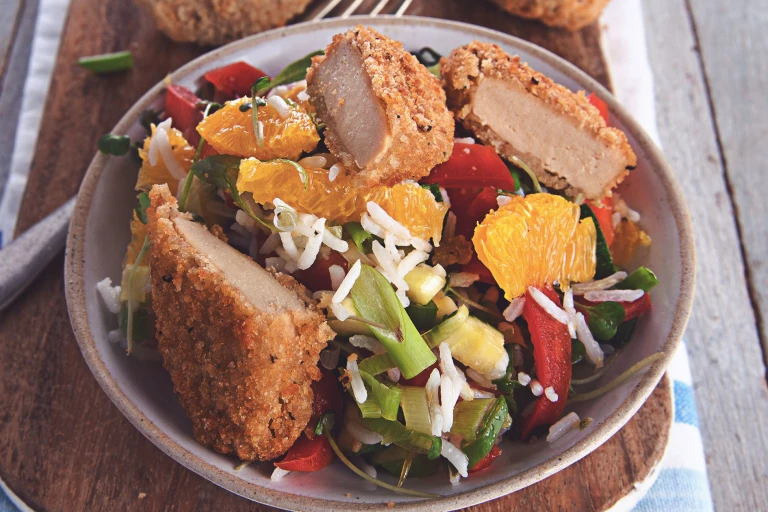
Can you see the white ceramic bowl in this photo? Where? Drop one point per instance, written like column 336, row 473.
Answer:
column 143, row 391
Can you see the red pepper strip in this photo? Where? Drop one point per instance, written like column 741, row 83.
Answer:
column 552, row 357
column 601, row 106
column 327, row 397
column 604, row 215
column 307, row 455
column 181, row 106
column 471, row 211
column 317, row 276
column 475, row 266
column 486, row 461
column 236, row 79
column 631, row 309
column 472, row 165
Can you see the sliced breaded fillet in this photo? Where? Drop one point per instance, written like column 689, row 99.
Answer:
column 385, row 113
column 522, row 113
column 570, row 14
column 241, row 344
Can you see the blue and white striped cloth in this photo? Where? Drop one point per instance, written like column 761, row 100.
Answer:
column 681, row 482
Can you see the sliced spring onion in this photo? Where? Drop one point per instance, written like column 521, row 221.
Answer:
column 468, row 417
column 641, row 279
column 488, row 432
column 395, row 432
column 375, row 300
column 107, row 62
column 416, row 409
column 386, row 396
column 361, row 237
column 423, row 316
column 116, row 145
column 377, row 364
column 448, row 326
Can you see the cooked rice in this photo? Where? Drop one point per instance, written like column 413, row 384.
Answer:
column 614, row 295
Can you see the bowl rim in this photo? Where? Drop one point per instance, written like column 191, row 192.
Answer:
column 76, row 296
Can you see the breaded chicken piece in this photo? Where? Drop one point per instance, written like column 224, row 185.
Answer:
column 570, row 14
column 241, row 343
column 214, row 22
column 385, row 113
column 524, row 114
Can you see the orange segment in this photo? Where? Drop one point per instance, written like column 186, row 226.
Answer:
column 627, row 239
column 536, row 240
column 230, row 131
column 338, row 201
column 158, row 174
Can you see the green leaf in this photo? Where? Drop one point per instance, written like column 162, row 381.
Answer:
column 117, row 145
column 361, row 237
column 326, row 422
column 488, row 432
column 221, row 171
column 578, row 351
column 515, row 173
column 605, row 266
column 148, row 118
column 295, row 71
column 107, row 62
column 423, row 316
column 641, row 279
column 375, row 300
column 624, row 333
column 604, row 319
column 141, row 208
column 435, row 189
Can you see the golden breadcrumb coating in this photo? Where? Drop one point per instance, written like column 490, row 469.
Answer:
column 421, row 126
column 215, row 22
column 570, row 14
column 243, row 375
column 467, row 66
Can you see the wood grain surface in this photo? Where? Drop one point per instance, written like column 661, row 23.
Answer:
column 685, row 40
column 63, row 445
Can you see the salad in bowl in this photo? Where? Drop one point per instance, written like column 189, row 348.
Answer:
column 388, row 258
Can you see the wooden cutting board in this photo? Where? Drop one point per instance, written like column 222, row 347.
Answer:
column 63, row 445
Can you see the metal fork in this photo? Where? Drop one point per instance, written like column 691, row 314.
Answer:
column 27, row 256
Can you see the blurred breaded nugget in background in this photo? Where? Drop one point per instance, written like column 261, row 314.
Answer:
column 569, row 14
column 215, row 22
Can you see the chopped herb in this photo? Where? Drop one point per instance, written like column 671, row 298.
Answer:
column 326, row 422
column 605, row 266
column 221, row 171
column 107, row 62
column 117, row 145
column 141, row 208
column 641, row 279
column 507, row 384
column 362, row 238
column 435, row 189
column 293, row 72
column 210, row 106
column 604, row 319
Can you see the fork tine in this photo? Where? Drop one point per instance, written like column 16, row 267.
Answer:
column 379, row 6
column 328, row 8
column 403, row 8
column 351, row 9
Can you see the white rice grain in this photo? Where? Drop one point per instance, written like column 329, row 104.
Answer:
column 432, row 390
column 279, row 104
column 309, row 255
column 550, row 307
column 329, row 358
column 270, row 244
column 356, row 381
column 367, row 223
column 450, row 225
column 361, row 434
column 614, row 295
column 275, row 263
column 448, row 397
column 383, row 219
column 278, row 474
column 456, row 457
column 439, row 271
column 420, row 245
column 515, row 309
column 600, row 284
column 289, row 245
column 594, row 352
column 253, row 248
column 339, row 311
column 109, row 294
column 523, row 378
column 313, row 161
column 388, row 264
column 446, row 199
column 335, row 171
column 403, row 297
column 410, row 262
column 502, row 200
column 464, row 140
column 536, row 388
column 367, row 342
column 337, row 276
column 347, row 283
column 166, row 154
column 480, row 379
column 463, row 279
column 550, row 393
column 563, row 426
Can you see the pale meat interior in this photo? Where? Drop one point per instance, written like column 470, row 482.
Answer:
column 255, row 283
column 545, row 139
column 355, row 114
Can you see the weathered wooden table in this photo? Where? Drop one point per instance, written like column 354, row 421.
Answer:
column 711, row 82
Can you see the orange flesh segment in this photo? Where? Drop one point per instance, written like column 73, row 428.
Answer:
column 534, row 241
column 230, row 131
column 338, row 201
